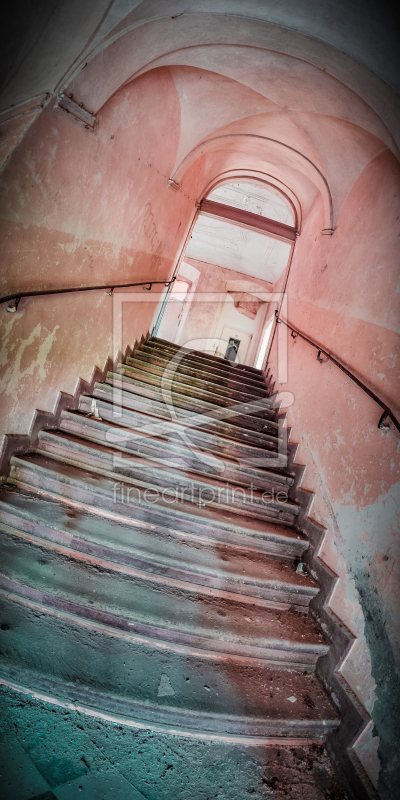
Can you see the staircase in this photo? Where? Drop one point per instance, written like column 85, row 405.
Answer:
column 150, row 559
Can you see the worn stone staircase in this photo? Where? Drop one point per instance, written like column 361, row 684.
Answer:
column 149, row 568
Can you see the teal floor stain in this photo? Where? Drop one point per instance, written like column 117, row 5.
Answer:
column 49, row 753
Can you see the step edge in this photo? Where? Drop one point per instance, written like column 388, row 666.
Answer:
column 200, row 376
column 240, row 378
column 156, row 635
column 271, row 477
column 272, row 537
column 211, row 407
column 81, row 413
column 92, row 703
column 127, row 571
column 186, row 515
column 184, row 418
column 252, row 513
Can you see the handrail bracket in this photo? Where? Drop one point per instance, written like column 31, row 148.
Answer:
column 12, row 308
column 387, row 412
column 381, row 423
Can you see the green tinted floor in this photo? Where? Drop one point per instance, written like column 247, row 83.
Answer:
column 49, row 753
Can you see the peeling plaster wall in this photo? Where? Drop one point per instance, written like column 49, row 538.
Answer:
column 80, row 209
column 343, row 293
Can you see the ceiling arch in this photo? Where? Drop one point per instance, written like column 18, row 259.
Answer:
column 286, row 63
column 233, row 175
column 365, row 32
column 353, row 40
column 300, row 162
column 211, row 41
column 293, row 97
column 295, row 85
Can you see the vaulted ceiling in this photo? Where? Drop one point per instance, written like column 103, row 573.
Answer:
column 298, row 92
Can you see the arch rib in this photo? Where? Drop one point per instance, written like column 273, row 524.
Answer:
column 209, row 144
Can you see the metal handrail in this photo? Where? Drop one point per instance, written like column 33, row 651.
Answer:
column 18, row 295
column 387, row 412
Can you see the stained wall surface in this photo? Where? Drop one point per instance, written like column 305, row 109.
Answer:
column 343, row 293
column 85, row 209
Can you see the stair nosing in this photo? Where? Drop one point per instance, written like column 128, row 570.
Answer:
column 250, row 539
column 132, row 391
column 92, row 703
column 253, row 510
column 65, row 541
column 167, row 347
column 136, row 363
column 211, row 407
column 163, row 344
column 157, row 635
column 172, row 448
column 205, row 439
column 182, row 514
column 239, row 378
column 185, row 389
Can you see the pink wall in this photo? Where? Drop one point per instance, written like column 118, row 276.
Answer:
column 82, row 209
column 343, row 293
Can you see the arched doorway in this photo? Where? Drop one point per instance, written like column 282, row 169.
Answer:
column 241, row 245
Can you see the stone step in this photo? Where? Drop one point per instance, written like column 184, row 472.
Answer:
column 197, row 388
column 163, row 346
column 199, row 368
column 201, row 380
column 240, row 414
column 183, row 428
column 149, row 558
column 217, row 372
column 151, row 354
column 160, row 607
column 124, row 395
column 100, row 493
column 210, row 565
column 94, row 660
column 182, row 455
column 148, row 479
